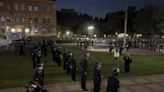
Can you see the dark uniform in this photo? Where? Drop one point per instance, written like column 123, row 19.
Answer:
column 65, row 58
column 56, row 55
column 44, row 48
column 68, row 64
column 127, row 63
column 120, row 50
column 84, row 66
column 73, row 68
column 113, row 83
column 53, row 54
column 21, row 50
column 39, row 79
column 97, row 78
column 33, row 56
column 38, row 57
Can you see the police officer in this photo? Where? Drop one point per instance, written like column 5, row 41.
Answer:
column 38, row 79
column 39, row 74
column 33, row 55
column 84, row 67
column 127, row 61
column 113, row 82
column 65, row 58
column 56, row 54
column 38, row 56
column 72, row 67
column 21, row 50
column 97, row 77
column 44, row 48
column 68, row 70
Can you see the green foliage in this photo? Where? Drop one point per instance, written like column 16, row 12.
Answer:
column 115, row 22
column 147, row 20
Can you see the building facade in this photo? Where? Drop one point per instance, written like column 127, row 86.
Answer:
column 30, row 17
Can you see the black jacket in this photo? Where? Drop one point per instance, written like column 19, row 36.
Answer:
column 113, row 84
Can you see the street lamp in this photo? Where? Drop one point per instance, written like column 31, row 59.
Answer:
column 67, row 33
column 125, row 24
column 90, row 30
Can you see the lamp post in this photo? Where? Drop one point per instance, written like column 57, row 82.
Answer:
column 90, row 30
column 125, row 23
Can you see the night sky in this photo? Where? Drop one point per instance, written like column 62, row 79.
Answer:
column 100, row 7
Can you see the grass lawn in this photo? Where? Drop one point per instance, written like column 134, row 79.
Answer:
column 16, row 71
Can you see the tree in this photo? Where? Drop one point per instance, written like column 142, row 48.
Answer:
column 114, row 22
column 147, row 20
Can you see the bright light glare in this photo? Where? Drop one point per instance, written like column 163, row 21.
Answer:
column 27, row 30
column 13, row 30
column 90, row 27
column 67, row 33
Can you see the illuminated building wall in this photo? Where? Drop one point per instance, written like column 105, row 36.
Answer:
column 31, row 17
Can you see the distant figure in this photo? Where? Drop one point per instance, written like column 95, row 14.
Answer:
column 110, row 49
column 97, row 77
column 34, row 55
column 39, row 75
column 127, row 47
column 65, row 58
column 38, row 57
column 113, row 83
column 84, row 67
column 120, row 50
column 44, row 48
column 73, row 66
column 68, row 69
column 127, row 61
column 21, row 50
column 116, row 57
column 56, row 55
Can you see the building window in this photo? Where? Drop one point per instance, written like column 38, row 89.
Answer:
column 16, row 7
column 43, row 25
column 48, row 24
column 36, row 24
column 35, row 8
column 8, row 19
column 1, row 4
column 48, row 8
column 29, row 8
column 22, row 7
column 30, row 20
column 18, row 20
column 3, row 19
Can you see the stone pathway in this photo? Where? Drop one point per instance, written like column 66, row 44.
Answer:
column 151, row 83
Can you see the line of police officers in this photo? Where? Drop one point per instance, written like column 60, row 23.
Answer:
column 36, row 85
column 69, row 66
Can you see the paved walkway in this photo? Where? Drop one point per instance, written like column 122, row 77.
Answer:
column 132, row 50
column 152, row 83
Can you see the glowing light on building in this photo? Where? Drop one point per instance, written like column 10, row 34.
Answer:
column 27, row 30
column 13, row 30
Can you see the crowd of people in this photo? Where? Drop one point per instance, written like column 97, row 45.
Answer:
column 67, row 60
